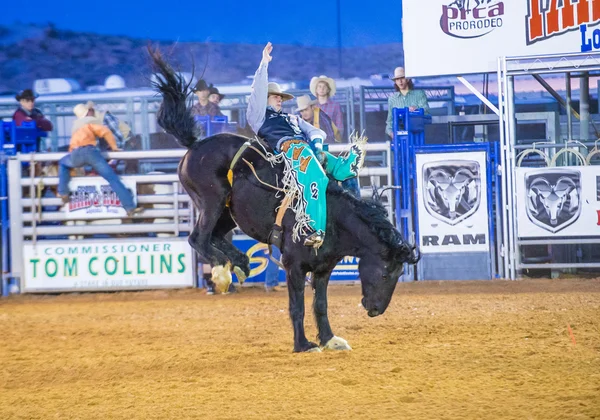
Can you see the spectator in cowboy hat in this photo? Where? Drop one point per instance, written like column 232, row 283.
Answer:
column 319, row 119
column 28, row 112
column 405, row 97
column 120, row 130
column 316, row 117
column 323, row 88
column 204, row 106
column 214, row 96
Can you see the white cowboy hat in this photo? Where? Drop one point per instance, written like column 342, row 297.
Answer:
column 81, row 110
column 315, row 81
column 398, row 73
column 304, row 102
column 274, row 89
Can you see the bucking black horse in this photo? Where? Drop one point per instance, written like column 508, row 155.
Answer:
column 354, row 227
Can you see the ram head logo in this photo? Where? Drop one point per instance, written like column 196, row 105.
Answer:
column 452, row 189
column 553, row 198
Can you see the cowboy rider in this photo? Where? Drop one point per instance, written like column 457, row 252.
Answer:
column 296, row 138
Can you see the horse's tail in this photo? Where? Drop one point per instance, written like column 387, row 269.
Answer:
column 174, row 114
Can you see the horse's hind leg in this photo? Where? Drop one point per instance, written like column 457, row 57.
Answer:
column 240, row 261
column 200, row 237
column 325, row 335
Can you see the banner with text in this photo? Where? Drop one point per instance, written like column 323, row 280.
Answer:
column 107, row 265
column 346, row 270
column 93, row 198
column 468, row 36
column 452, row 202
column 558, row 202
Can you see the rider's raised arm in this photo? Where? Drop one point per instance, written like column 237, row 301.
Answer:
column 257, row 104
column 311, row 132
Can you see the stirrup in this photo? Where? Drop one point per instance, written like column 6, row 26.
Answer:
column 314, row 240
column 275, row 236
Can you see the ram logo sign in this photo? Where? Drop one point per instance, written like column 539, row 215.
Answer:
column 452, row 189
column 553, row 198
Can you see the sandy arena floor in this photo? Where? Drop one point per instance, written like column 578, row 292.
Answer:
column 443, row 350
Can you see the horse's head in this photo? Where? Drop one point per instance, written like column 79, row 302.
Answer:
column 373, row 238
column 379, row 274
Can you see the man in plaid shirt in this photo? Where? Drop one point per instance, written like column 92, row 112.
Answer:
column 406, row 96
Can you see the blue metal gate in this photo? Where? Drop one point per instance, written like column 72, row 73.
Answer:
column 408, row 148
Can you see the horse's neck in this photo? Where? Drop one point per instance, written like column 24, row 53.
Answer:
column 355, row 235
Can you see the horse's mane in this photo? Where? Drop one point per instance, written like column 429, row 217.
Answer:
column 372, row 212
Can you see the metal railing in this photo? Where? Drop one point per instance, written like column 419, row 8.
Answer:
column 138, row 109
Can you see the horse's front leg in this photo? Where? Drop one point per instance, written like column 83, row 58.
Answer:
column 325, row 335
column 295, row 281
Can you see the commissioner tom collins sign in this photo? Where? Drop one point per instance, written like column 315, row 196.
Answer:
column 107, row 264
column 468, row 36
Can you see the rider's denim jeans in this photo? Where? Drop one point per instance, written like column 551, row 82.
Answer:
column 272, row 271
column 91, row 156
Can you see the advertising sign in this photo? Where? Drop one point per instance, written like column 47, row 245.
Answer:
column 452, row 202
column 443, row 37
column 558, row 202
column 346, row 270
column 107, row 265
column 93, row 198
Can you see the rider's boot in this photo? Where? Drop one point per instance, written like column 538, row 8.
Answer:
column 315, row 240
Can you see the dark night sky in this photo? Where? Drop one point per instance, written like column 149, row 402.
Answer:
column 306, row 22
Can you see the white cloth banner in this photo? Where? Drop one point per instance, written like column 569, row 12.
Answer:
column 93, row 198
column 107, row 264
column 558, row 202
column 452, row 202
column 443, row 37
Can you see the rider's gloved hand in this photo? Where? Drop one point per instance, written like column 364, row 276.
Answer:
column 317, row 144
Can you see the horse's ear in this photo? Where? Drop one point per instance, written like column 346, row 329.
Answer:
column 376, row 195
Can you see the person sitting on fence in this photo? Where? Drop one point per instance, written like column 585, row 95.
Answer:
column 84, row 151
column 28, row 112
column 204, row 106
column 214, row 95
column 406, row 96
column 323, row 88
column 315, row 116
column 120, row 130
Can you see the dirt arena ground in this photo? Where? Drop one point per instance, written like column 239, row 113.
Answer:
column 443, row 350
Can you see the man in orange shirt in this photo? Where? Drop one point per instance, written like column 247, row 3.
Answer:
column 84, row 151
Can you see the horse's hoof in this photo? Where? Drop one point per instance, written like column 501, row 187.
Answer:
column 337, row 343
column 309, row 348
column 241, row 276
column 221, row 277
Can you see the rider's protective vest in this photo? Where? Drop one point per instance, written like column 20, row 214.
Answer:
column 277, row 126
